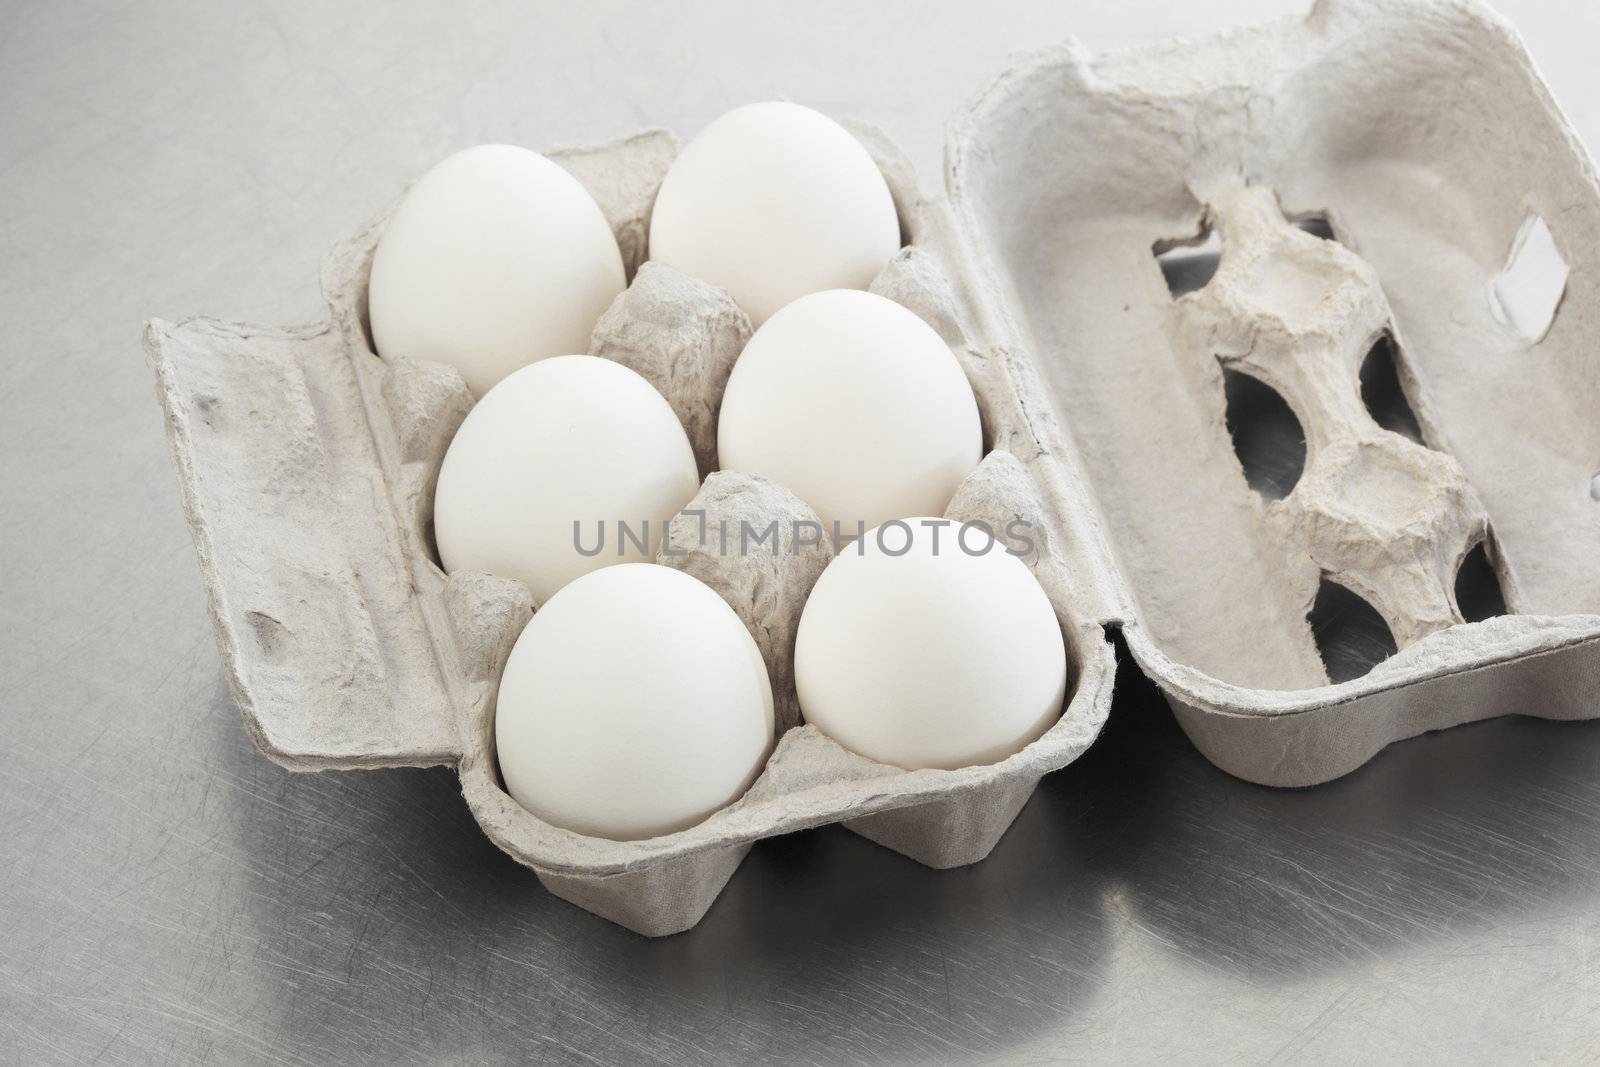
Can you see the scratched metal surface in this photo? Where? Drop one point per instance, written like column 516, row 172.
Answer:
column 168, row 895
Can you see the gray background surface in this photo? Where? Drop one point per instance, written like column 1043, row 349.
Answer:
column 167, row 894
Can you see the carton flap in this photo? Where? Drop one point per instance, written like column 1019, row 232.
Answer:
column 329, row 660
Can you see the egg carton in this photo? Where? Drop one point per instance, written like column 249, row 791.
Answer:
column 1392, row 193
column 1416, row 133
column 308, row 464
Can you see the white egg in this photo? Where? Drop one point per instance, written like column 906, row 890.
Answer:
column 570, row 440
column 856, row 405
column 946, row 654
column 634, row 704
column 495, row 258
column 771, row 202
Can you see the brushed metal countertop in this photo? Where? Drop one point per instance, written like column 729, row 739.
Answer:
column 166, row 894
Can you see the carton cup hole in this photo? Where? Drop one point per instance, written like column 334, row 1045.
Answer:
column 1478, row 592
column 1317, row 224
column 1382, row 392
column 1267, row 436
column 1189, row 264
column 1351, row 635
column 1528, row 293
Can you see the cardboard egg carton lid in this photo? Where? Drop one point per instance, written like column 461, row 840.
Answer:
column 1379, row 180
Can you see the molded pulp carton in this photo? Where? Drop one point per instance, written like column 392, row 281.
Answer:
column 1376, row 176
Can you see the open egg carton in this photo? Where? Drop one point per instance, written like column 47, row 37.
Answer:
column 308, row 466
column 1377, row 176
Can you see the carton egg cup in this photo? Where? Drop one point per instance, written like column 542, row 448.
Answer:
column 1376, row 177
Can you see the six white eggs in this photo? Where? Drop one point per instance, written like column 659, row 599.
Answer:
column 635, row 703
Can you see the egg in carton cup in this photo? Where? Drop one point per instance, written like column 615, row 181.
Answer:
column 308, row 466
column 1384, row 180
